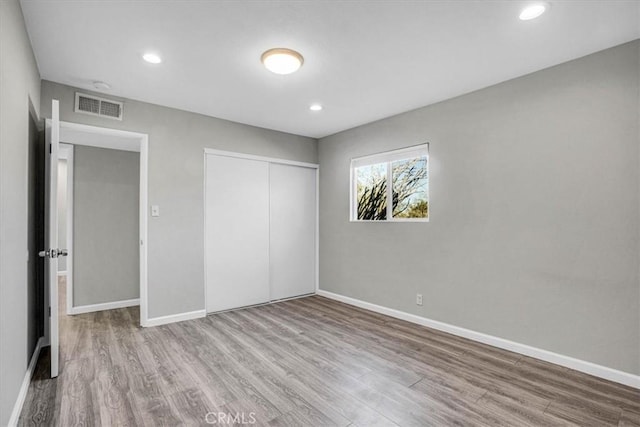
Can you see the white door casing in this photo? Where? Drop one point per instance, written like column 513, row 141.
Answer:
column 93, row 136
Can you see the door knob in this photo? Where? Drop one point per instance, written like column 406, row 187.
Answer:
column 53, row 253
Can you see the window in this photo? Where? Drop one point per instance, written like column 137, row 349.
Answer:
column 391, row 186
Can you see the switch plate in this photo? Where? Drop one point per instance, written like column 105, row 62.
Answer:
column 419, row 299
column 155, row 210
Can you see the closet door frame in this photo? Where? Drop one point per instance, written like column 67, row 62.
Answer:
column 215, row 152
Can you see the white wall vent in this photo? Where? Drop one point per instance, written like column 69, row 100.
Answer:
column 96, row 106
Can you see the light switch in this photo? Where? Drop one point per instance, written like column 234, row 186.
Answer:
column 155, row 210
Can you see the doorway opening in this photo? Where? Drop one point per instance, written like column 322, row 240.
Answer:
column 101, row 194
column 90, row 156
column 98, row 193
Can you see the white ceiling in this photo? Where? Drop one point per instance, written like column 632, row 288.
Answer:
column 364, row 60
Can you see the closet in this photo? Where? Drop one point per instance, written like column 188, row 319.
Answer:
column 260, row 229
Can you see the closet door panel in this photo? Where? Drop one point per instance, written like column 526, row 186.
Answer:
column 237, row 232
column 293, row 215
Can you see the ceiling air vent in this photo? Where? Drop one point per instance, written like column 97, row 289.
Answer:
column 95, row 106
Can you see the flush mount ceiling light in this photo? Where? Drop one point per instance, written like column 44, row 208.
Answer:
column 101, row 85
column 533, row 11
column 152, row 58
column 282, row 60
column 315, row 107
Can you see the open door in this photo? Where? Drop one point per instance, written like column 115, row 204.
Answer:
column 51, row 251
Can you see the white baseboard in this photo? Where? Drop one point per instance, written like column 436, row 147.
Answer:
column 163, row 320
column 548, row 356
column 22, row 395
column 104, row 306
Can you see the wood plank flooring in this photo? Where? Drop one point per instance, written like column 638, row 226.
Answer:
column 310, row 361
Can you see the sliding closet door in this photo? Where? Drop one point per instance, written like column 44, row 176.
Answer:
column 237, row 232
column 293, row 231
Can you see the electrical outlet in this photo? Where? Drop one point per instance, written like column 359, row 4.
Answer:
column 419, row 299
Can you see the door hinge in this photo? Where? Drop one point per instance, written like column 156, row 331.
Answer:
column 49, row 148
column 49, row 311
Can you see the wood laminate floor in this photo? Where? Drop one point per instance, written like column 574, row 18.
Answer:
column 310, row 361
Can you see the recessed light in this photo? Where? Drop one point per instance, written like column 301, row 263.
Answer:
column 533, row 11
column 282, row 60
column 315, row 107
column 101, row 85
column 152, row 58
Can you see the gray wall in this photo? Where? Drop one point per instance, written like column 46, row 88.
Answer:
column 176, row 166
column 534, row 212
column 62, row 212
column 106, row 196
column 19, row 82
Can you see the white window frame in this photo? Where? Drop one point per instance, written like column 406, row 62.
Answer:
column 388, row 157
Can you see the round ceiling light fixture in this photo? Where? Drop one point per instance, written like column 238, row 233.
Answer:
column 315, row 107
column 533, row 11
column 282, row 60
column 100, row 85
column 152, row 58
